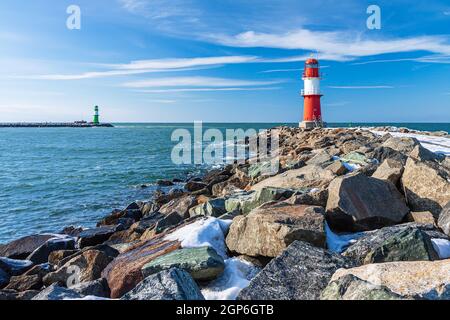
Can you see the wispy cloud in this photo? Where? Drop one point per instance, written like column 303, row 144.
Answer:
column 160, row 9
column 447, row 13
column 281, row 70
column 444, row 59
column 183, row 63
column 337, row 104
column 150, row 66
column 207, row 90
column 171, row 65
column 208, row 82
column 163, row 101
column 133, row 5
column 340, row 44
column 361, row 87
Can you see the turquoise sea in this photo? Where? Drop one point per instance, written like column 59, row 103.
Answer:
column 54, row 177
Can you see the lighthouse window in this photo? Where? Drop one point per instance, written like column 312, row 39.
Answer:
column 313, row 65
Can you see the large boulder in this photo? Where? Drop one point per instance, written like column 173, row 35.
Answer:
column 55, row 292
column 261, row 169
column 172, row 219
column 301, row 272
column 444, row 219
column 423, row 217
column 357, row 202
column 337, row 167
column 390, row 170
column 23, row 247
column 203, row 264
column 12, row 295
column 240, row 202
column 245, row 202
column 132, row 213
column 124, row 272
column 355, row 157
column 350, row 287
column 400, row 242
column 426, row 185
column 15, row 267
column 147, row 223
column 96, row 288
column 401, row 144
column 172, row 284
column 30, row 280
column 193, row 186
column 384, row 153
column 311, row 176
column 92, row 237
column 179, row 206
column 270, row 229
column 422, row 154
column 421, row 279
column 321, row 158
column 212, row 208
column 40, row 255
column 407, row 245
column 4, row 278
column 85, row 267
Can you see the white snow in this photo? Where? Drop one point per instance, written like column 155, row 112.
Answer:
column 211, row 232
column 208, row 232
column 349, row 166
column 338, row 243
column 89, row 298
column 236, row 276
column 442, row 247
column 435, row 144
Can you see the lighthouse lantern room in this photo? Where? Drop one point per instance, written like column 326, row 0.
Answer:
column 312, row 113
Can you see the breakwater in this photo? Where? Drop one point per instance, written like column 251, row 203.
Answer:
column 54, row 125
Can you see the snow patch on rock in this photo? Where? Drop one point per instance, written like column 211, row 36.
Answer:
column 442, row 248
column 440, row 145
column 338, row 243
column 208, row 232
column 236, row 276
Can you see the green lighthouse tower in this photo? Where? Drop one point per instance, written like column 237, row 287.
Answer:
column 96, row 118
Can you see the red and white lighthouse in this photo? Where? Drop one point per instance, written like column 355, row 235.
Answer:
column 312, row 113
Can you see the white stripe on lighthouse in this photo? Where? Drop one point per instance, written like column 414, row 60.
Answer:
column 312, row 86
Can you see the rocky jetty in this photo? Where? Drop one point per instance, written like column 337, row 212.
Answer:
column 350, row 214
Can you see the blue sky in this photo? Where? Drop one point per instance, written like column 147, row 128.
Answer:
column 223, row 61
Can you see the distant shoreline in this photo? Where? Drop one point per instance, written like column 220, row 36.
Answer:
column 54, row 125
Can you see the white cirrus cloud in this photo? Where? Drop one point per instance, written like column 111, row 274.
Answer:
column 183, row 62
column 207, row 82
column 341, row 44
column 150, row 66
column 208, row 89
column 361, row 87
column 443, row 59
